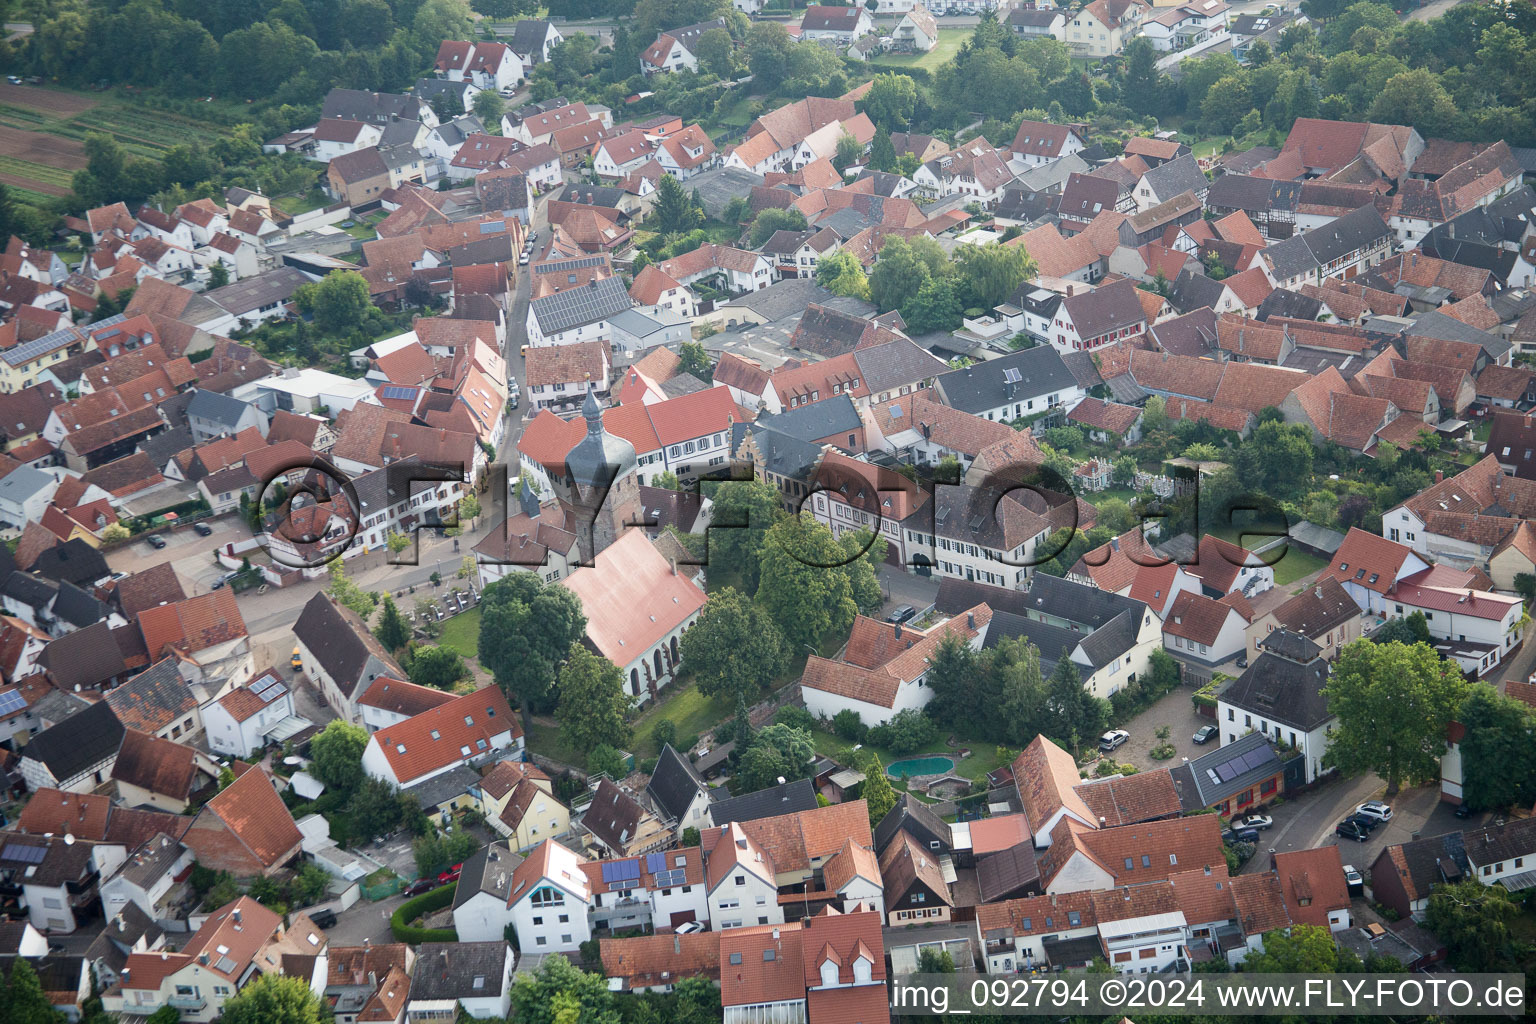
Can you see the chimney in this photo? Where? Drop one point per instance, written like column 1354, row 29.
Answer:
column 373, row 980
column 235, row 914
column 1069, row 291
column 1439, row 476
column 970, row 620
column 1102, row 822
column 898, row 631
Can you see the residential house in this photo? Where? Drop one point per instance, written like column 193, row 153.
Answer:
column 54, row 877
column 246, row 829
column 1280, row 694
column 1315, row 890
column 916, row 32
column 1323, row 613
column 677, row 793
column 1103, row 27
column 915, row 891
column 1233, row 779
column 473, row 729
column 480, row 897
column 842, row 25
column 549, row 900
column 620, row 824
column 1200, row 629
column 160, row 773
column 654, row 891
column 252, row 715
column 1370, row 567
column 655, row 963
column 485, row 64
column 339, row 654
column 674, row 49
column 519, row 803
column 473, row 978
column 1022, row 384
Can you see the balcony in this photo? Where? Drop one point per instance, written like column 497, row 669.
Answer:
column 192, row 1003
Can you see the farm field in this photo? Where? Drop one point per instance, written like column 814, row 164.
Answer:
column 42, row 131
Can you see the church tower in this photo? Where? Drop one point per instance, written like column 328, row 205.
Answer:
column 599, row 488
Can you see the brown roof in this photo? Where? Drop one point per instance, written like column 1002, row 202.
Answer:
column 1260, row 903
column 254, row 814
column 1102, row 415
column 158, row 765
column 148, row 588
column 1313, row 883
column 661, row 959
column 403, row 698
column 1196, row 617
column 1367, row 560
column 1145, row 796
column 792, row 841
column 193, row 624
column 82, row 815
column 437, row 738
column 1204, row 894
column 1137, row 854
column 554, row 365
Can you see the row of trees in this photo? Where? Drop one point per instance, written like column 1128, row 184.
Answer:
column 930, row 288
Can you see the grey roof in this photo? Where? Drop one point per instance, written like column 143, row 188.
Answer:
column 339, row 641
column 460, row 128
column 799, row 795
column 785, row 242
column 830, row 416
column 85, row 657
column 77, row 743
column 780, row 453
column 217, row 408
column 593, row 195
column 1193, row 290
column 1281, row 302
column 1291, row 257
column 1053, row 642
column 1435, row 324
column 1105, row 309
column 489, row 870
column 427, row 88
column 1086, row 606
column 1254, row 195
column 1282, row 690
column 1193, row 334
column 73, row 561
column 150, row 862
column 1493, row 258
column 439, row 789
column 981, row 386
column 1177, row 175
column 599, row 458
column 166, row 444
column 451, row 970
column 23, row 482
column 674, row 784
column 1050, row 177
column 26, row 351
column 1028, row 207
column 1342, row 235
column 1496, row 842
column 28, row 589
column 1314, row 536
column 639, row 323
column 1081, row 366
column 717, row 187
column 1209, row 781
column 918, row 820
column 360, row 105
column 527, row 39
column 614, row 816
column 564, row 310
column 1435, row 860
column 896, row 363
column 252, row 293
column 790, row 298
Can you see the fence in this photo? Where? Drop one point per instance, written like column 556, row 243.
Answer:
column 383, row 891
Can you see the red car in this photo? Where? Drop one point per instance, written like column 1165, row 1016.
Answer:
column 451, row 875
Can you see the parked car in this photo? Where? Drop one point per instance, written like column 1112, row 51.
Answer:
column 1243, row 834
column 1350, row 830
column 1463, row 810
column 325, row 918
column 202, row 529
column 1375, row 809
column 1206, row 733
column 1369, row 824
column 1113, row 740
column 1258, row 821
column 451, row 875
column 688, row 928
column 1353, row 879
column 420, row 886
column 155, row 541
column 13, row 79
column 901, row 614
column 522, row 260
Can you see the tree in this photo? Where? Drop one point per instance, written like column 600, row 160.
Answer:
column 1415, row 98
column 1305, row 949
column 992, row 273
column 956, row 678
column 768, row 49
column 876, row 791
column 841, row 274
column 437, row 667
column 26, row 1002
column 527, row 628
column 899, row 274
column 1277, row 459
column 1404, row 629
column 935, row 307
column 1525, row 585
column 1073, row 715
column 1023, row 692
column 336, row 302
column 504, row 10
column 274, row 999
column 593, row 703
column 167, row 1014
column 1393, row 704
column 773, row 219
column 745, row 510
column 218, row 276
column 935, row 961
column 673, row 207
column 337, row 754
column 392, row 631
column 882, row 154
column 849, row 151
column 777, row 751
column 560, row 993
column 694, row 359
column 605, row 760
column 733, row 647
column 908, row 731
column 348, row 594
column 488, row 107
column 1498, row 758
column 714, row 51
column 1473, row 920
column 469, row 507
column 891, row 101
column 666, row 480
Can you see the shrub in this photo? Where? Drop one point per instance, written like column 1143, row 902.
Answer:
column 665, row 732
column 410, row 910
column 799, row 718
column 1163, row 751
column 1162, row 732
column 848, row 725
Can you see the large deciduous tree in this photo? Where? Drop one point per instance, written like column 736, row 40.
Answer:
column 1473, row 920
column 337, row 753
column 734, row 647
column 594, row 707
column 527, row 628
column 438, row 667
column 337, row 302
column 744, row 512
column 1393, row 703
column 1498, row 758
column 841, row 274
column 274, row 999
column 992, row 273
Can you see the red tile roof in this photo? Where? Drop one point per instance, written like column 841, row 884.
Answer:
column 451, row 733
column 1313, row 883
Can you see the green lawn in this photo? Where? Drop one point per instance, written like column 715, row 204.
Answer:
column 1125, row 494
column 295, row 205
column 1295, row 564
column 686, row 708
column 545, row 739
column 462, row 632
column 950, row 40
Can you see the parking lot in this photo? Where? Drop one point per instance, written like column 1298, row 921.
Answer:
column 1176, row 711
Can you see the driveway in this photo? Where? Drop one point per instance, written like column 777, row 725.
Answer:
column 902, row 587
column 1176, row 711
column 191, row 555
column 364, row 920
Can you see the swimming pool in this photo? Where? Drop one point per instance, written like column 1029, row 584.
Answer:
column 911, row 766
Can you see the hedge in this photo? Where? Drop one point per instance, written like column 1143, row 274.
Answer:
column 411, row 909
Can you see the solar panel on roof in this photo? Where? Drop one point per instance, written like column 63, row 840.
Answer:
column 24, row 854
column 397, row 391
column 11, row 701
column 655, row 862
column 1226, row 772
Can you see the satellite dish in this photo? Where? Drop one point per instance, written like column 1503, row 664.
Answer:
column 69, row 839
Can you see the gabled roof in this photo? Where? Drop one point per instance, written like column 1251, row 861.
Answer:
column 157, row 765
column 252, row 812
column 341, row 643
column 1313, row 883
column 674, row 784
column 451, row 733
column 153, row 699
column 83, row 740
column 614, row 817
